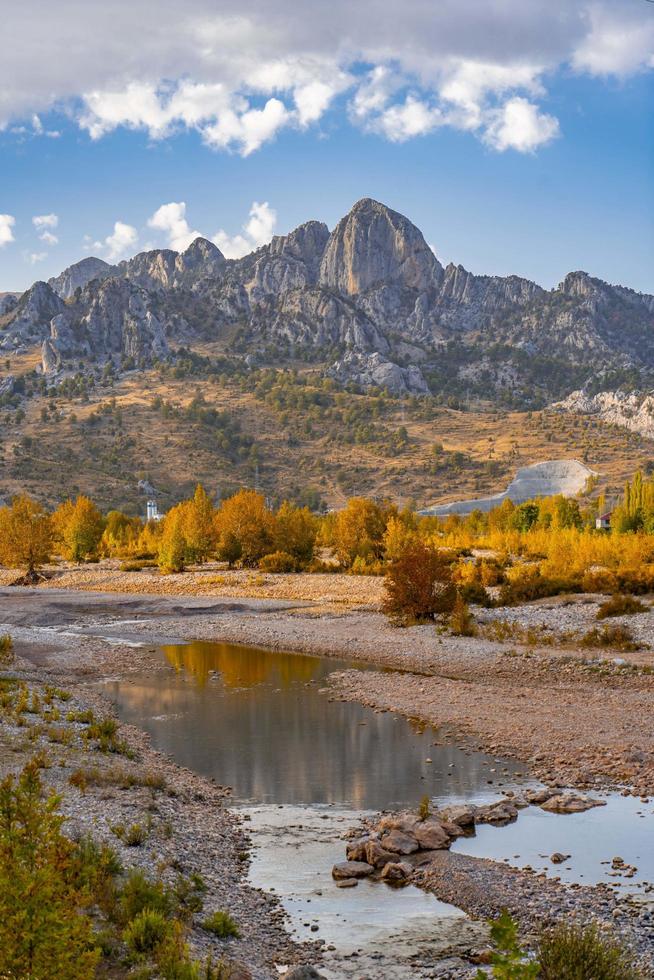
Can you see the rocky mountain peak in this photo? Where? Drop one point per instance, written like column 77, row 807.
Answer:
column 202, row 256
column 373, row 245
column 306, row 243
column 76, row 276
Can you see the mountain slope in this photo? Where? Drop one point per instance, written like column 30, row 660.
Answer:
column 369, row 303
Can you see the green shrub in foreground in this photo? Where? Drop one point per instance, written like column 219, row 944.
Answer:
column 571, row 952
column 221, row 924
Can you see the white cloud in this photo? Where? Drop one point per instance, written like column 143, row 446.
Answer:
column 413, row 117
column 44, row 223
column 619, row 42
column 120, row 243
column 240, row 72
column 171, row 219
column 257, row 231
column 249, row 130
column 7, row 222
column 35, row 257
column 519, row 125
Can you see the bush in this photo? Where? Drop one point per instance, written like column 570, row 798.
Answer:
column 320, row 567
column 367, row 566
column 45, row 930
column 6, row 649
column 462, row 623
column 571, row 952
column 221, row 924
column 137, row 565
column 419, row 586
column 599, row 580
column 140, row 893
column 526, row 583
column 509, row 961
column 132, row 836
column 279, row 562
column 614, row 635
column 476, row 594
column 621, row 605
column 146, row 932
column 637, row 581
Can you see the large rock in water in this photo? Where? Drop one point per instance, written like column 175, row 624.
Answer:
column 373, row 245
column 351, row 869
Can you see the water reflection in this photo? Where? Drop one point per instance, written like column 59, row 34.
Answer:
column 257, row 721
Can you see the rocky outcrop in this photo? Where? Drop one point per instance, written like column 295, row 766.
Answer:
column 78, row 275
column 8, row 302
column 121, row 320
column 368, row 370
column 30, row 318
column 631, row 410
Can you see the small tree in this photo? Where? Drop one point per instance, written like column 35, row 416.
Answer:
column 172, row 544
column 44, row 931
column 245, row 528
column 462, row 622
column 25, row 535
column 419, row 586
column 199, row 529
column 78, row 527
column 295, row 532
column 358, row 531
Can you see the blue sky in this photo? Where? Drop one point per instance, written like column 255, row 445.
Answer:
column 531, row 156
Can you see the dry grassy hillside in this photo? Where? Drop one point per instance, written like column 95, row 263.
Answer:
column 288, row 434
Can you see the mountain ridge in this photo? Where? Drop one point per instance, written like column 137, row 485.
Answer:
column 368, row 303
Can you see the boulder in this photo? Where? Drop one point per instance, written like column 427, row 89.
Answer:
column 499, row 813
column 376, row 855
column 538, row 796
column 397, row 873
column 570, row 803
column 351, row 869
column 462, row 816
column 399, row 842
column 558, row 858
column 432, row 836
column 356, row 849
column 404, row 820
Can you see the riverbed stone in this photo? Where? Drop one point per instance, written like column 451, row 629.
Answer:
column 403, row 821
column 462, row 816
column 570, row 803
column 559, row 858
column 356, row 849
column 432, row 836
column 539, row 796
column 397, row 872
column 347, row 883
column 352, row 869
column 376, row 855
column 498, row 814
column 399, row 842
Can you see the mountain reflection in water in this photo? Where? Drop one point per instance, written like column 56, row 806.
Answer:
column 255, row 720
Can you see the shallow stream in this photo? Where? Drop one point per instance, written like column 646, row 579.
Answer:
column 304, row 767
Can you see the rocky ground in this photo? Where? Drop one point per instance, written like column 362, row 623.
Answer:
column 579, row 718
column 188, row 829
column 410, row 848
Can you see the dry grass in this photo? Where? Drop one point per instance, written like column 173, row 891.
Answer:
column 175, row 454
